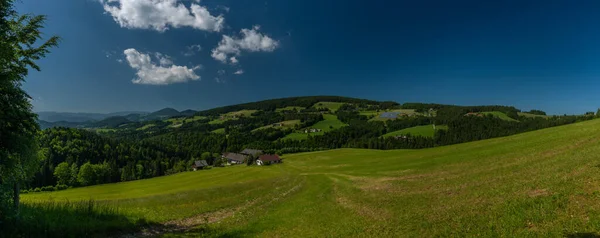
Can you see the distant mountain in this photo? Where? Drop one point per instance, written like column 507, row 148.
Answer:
column 161, row 114
column 110, row 122
column 46, row 124
column 188, row 113
column 79, row 117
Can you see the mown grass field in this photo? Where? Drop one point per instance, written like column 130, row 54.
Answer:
column 219, row 131
column 531, row 115
column 500, row 115
column 286, row 125
column 176, row 122
column 232, row 116
column 544, row 183
column 332, row 106
column 329, row 122
column 426, row 131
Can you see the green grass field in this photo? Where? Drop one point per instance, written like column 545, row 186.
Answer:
column 544, row 183
column 332, row 106
column 329, row 122
column 500, row 115
column 232, row 116
column 426, row 131
column 181, row 120
column 531, row 115
column 145, row 127
column 286, row 125
column 219, row 131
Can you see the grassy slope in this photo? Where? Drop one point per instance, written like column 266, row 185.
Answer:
column 426, row 130
column 230, row 116
column 286, row 124
column 544, row 183
column 500, row 115
column 219, row 131
column 531, row 115
column 333, row 106
column 324, row 125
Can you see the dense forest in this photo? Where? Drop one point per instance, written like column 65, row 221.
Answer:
column 81, row 157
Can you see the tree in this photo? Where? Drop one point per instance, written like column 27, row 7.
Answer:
column 18, row 126
column 62, row 172
column 74, row 172
column 86, row 174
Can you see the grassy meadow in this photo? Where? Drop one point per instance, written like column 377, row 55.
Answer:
column 544, row 183
column 525, row 114
column 286, row 125
column 500, row 115
column 329, row 122
column 426, row 131
column 332, row 106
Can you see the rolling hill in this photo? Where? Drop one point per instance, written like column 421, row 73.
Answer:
column 536, row 184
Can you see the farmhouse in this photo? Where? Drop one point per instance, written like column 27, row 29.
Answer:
column 279, row 124
column 311, row 130
column 234, row 158
column 268, row 159
column 199, row 164
column 252, row 152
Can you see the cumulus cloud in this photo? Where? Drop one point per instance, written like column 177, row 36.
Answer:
column 192, row 49
column 252, row 40
column 163, row 60
column 240, row 71
column 224, row 8
column 160, row 15
column 148, row 72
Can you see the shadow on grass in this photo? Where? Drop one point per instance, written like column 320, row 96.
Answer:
column 204, row 231
column 583, row 235
column 70, row 219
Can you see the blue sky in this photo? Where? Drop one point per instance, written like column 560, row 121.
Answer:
column 121, row 55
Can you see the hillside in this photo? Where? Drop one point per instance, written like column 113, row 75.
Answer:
column 536, row 184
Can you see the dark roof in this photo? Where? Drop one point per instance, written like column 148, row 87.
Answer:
column 200, row 163
column 235, row 156
column 266, row 158
column 251, row 152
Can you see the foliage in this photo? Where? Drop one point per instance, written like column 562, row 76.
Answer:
column 18, row 126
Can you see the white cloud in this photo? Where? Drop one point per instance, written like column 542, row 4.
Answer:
column 149, row 72
column 120, row 60
column 160, row 15
column 163, row 60
column 224, row 8
column 192, row 49
column 233, row 60
column 252, row 40
column 240, row 71
column 221, row 72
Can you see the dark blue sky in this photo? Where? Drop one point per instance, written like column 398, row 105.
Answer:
column 522, row 53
